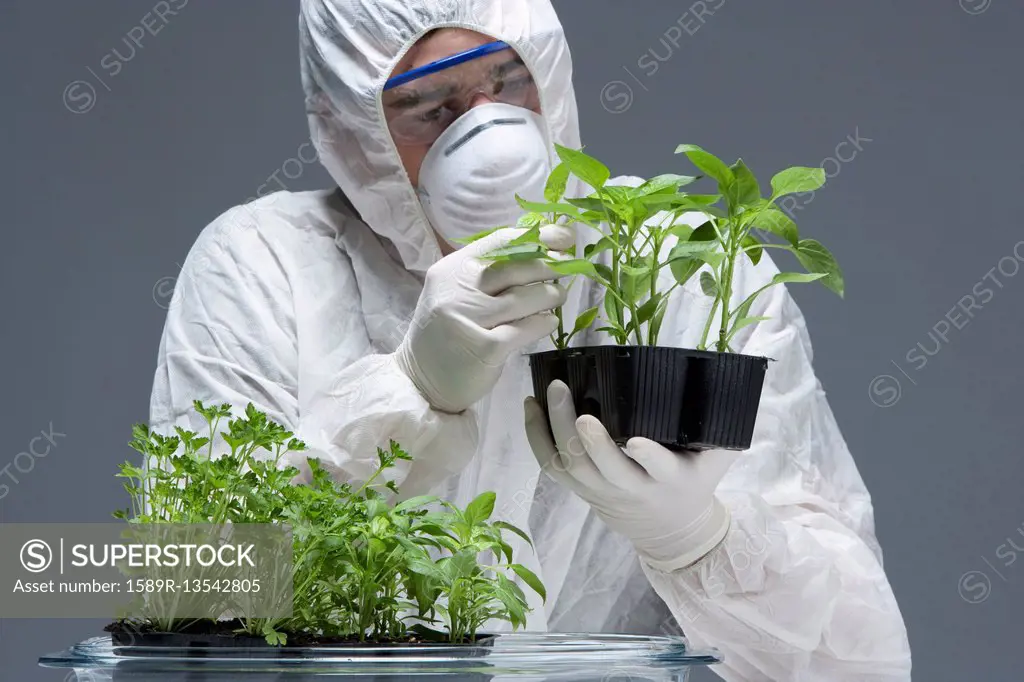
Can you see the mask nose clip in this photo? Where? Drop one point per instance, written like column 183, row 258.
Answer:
column 462, row 141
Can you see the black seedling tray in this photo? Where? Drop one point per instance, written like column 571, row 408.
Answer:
column 205, row 644
column 680, row 398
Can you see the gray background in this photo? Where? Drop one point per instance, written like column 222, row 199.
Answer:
column 100, row 207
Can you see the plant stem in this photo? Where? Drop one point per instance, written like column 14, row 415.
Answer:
column 636, row 327
column 561, row 343
column 368, row 482
column 616, row 253
column 707, row 325
column 652, row 336
column 730, row 242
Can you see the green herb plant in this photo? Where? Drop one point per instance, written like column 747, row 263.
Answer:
column 365, row 568
column 640, row 235
column 181, row 482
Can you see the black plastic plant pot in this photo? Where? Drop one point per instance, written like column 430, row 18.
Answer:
column 680, row 398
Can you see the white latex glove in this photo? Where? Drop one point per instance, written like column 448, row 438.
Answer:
column 663, row 501
column 473, row 314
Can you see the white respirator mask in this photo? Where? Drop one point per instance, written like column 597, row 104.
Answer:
column 471, row 175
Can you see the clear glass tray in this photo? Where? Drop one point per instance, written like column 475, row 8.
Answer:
column 542, row 656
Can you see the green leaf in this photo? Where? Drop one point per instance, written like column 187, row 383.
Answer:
column 424, row 566
column 614, row 327
column 585, row 319
column 709, row 163
column 616, row 331
column 275, row 638
column 592, row 203
column 515, row 252
column 664, row 202
column 704, row 199
column 687, row 249
column 680, row 203
column 778, row 223
column 603, row 244
column 645, row 312
column 705, row 232
column 556, row 184
column 536, row 207
column 584, row 167
column 415, row 502
column 603, row 272
column 530, row 236
column 683, row 267
column 797, row 179
column 576, row 266
column 481, row 508
column 428, row 634
column 506, row 592
column 620, row 204
column 531, row 579
column 634, row 282
column 680, row 231
column 659, row 317
column 816, row 258
column 754, row 246
column 745, row 189
column 795, row 277
column 741, row 323
column 712, row 257
column 375, row 508
column 686, row 257
column 708, row 284
column 743, row 310
column 611, row 309
column 664, row 183
column 377, row 547
column 621, row 194
column 531, row 220
column 514, row 529
column 379, row 526
column 702, row 233
column 462, row 564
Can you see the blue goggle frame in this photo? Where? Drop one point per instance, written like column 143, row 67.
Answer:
column 447, row 62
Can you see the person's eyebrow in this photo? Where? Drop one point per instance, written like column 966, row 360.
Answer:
column 411, row 98
column 508, row 65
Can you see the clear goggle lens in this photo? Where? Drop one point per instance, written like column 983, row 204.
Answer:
column 421, row 104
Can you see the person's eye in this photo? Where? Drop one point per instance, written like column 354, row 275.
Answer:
column 518, row 81
column 431, row 115
column 514, row 83
column 436, row 117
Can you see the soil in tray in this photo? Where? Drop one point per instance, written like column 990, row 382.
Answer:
column 221, row 633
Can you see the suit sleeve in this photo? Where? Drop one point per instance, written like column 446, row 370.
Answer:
column 231, row 336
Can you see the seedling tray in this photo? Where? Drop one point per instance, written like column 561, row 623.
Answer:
column 678, row 397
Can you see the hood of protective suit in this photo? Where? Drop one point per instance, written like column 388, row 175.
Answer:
column 349, row 49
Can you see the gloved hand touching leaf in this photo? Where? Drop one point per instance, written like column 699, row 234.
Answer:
column 473, row 314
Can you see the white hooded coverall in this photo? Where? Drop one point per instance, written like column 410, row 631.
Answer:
column 296, row 301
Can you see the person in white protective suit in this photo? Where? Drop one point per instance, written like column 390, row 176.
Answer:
column 352, row 317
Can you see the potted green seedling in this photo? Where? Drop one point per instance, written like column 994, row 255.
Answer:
column 367, row 571
column 694, row 398
column 382, row 588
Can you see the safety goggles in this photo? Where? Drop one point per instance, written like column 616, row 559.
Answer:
column 420, row 104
